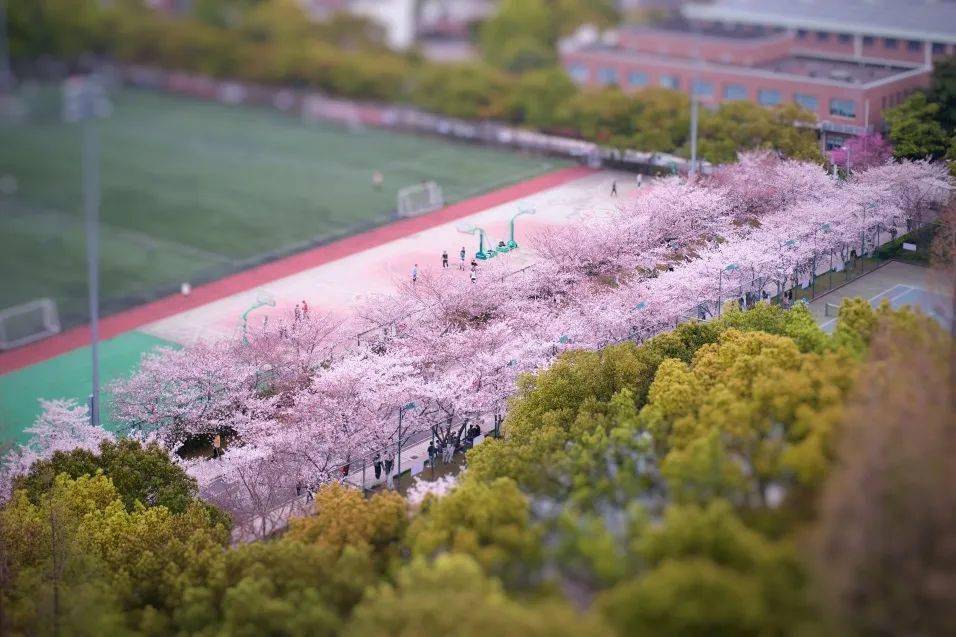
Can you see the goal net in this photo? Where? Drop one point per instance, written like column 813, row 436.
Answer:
column 28, row 322
column 419, row 199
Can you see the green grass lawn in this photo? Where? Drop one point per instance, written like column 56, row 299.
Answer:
column 193, row 190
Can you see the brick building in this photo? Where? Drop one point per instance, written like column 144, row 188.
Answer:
column 846, row 77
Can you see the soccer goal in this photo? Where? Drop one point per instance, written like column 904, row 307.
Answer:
column 419, row 199
column 28, row 322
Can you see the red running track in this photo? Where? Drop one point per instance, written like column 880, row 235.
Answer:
column 174, row 304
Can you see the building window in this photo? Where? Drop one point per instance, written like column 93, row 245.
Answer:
column 808, row 102
column 842, row 108
column 768, row 96
column 637, row 78
column 867, row 40
column 823, row 36
column 670, row 81
column 890, row 43
column 735, row 92
column 939, row 48
column 801, row 34
column 703, row 89
column 607, row 75
column 844, row 38
column 578, row 73
column 914, row 45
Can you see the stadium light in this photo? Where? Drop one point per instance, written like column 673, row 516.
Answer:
column 85, row 101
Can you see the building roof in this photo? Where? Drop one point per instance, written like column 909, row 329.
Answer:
column 683, row 27
column 933, row 20
column 816, row 70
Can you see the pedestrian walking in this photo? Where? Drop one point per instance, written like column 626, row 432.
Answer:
column 614, row 188
column 414, row 273
column 640, row 180
column 461, row 255
column 388, row 466
column 474, row 277
column 377, row 180
column 432, row 454
column 299, row 488
column 444, row 259
column 377, row 464
column 474, row 265
column 309, row 493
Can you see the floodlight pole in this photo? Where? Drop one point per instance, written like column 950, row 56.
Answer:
column 6, row 75
column 693, row 128
column 91, row 209
column 694, row 104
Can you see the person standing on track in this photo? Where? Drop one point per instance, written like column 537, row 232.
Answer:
column 474, row 277
column 444, row 259
column 415, row 273
column 614, row 188
column 461, row 255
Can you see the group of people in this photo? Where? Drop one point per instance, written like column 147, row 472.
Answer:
column 443, row 453
column 462, row 255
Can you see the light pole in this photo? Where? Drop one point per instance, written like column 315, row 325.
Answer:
column 729, row 268
column 84, row 101
column 398, row 437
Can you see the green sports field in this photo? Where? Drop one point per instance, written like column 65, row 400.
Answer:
column 194, row 190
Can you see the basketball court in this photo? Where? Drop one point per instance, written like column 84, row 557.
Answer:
column 897, row 283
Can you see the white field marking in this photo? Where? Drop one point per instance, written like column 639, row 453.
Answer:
column 907, row 289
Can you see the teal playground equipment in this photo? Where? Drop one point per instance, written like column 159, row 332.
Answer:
column 263, row 299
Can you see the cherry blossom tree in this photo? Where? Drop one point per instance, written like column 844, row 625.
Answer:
column 863, row 152
column 305, row 397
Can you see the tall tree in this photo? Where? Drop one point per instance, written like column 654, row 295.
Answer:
column 914, row 128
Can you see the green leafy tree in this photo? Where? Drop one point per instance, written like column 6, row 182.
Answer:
column 523, row 34
column 538, row 95
column 708, row 574
column 943, row 91
column 488, row 521
column 142, row 474
column 914, row 128
column 277, row 588
column 452, row 596
column 49, row 583
column 344, row 518
column 738, row 125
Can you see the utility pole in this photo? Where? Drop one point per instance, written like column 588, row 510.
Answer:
column 84, row 101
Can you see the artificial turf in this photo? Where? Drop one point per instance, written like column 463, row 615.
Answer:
column 194, row 190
